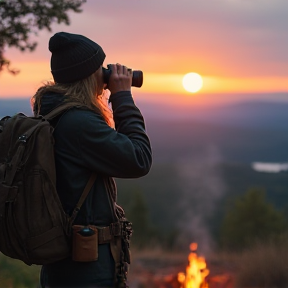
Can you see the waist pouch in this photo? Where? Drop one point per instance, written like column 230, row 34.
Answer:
column 84, row 243
column 86, row 239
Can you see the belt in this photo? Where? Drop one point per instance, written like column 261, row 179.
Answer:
column 106, row 234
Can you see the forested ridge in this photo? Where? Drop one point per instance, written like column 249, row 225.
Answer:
column 199, row 167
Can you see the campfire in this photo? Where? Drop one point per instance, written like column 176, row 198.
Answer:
column 162, row 271
column 196, row 271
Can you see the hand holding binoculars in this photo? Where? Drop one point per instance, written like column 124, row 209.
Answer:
column 137, row 76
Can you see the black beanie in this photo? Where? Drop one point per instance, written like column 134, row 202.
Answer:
column 74, row 57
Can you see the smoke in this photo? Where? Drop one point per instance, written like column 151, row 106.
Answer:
column 202, row 185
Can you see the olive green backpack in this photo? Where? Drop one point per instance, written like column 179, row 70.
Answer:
column 33, row 225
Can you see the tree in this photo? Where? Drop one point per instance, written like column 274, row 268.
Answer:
column 22, row 18
column 251, row 219
column 138, row 215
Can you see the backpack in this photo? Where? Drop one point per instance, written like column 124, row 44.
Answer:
column 33, row 225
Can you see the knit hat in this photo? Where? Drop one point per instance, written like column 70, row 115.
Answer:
column 74, row 57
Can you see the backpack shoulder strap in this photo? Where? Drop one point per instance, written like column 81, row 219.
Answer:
column 83, row 196
column 58, row 110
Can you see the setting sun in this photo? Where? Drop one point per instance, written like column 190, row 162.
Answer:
column 192, row 82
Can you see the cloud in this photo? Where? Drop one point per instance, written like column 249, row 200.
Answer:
column 238, row 32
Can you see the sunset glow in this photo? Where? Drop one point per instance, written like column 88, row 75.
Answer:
column 33, row 75
column 172, row 83
column 245, row 57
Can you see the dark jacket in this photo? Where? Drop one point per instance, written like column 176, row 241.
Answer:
column 84, row 144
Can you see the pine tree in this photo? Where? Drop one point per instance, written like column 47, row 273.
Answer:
column 251, row 219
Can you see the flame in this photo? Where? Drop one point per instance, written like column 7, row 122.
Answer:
column 196, row 271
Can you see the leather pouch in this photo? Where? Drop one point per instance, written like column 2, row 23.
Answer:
column 85, row 243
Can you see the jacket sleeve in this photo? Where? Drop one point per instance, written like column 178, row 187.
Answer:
column 124, row 152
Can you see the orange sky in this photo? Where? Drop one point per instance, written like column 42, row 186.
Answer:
column 237, row 46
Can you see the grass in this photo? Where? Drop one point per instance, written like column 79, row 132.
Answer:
column 16, row 274
column 265, row 266
column 261, row 266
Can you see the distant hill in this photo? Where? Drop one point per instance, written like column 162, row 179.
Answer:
column 13, row 106
column 242, row 132
column 172, row 140
column 256, row 114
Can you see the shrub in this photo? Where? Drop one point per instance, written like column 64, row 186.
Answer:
column 16, row 274
column 251, row 219
column 264, row 265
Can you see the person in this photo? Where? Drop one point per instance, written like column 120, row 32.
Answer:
column 93, row 137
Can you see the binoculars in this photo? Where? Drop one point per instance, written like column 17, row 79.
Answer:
column 137, row 77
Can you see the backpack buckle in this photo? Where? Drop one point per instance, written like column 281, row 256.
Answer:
column 22, row 138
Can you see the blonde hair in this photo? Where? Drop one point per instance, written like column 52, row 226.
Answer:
column 87, row 91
